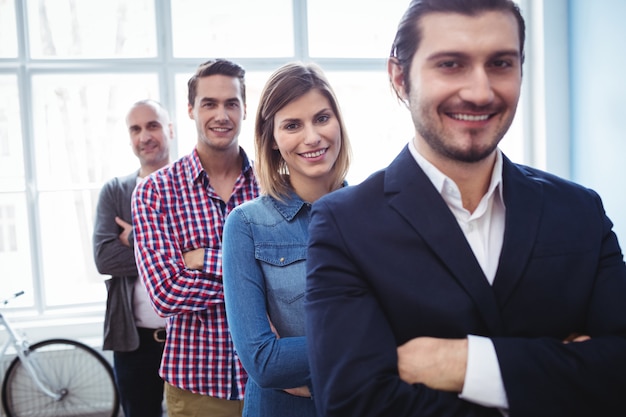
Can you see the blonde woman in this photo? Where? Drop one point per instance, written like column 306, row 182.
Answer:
column 302, row 153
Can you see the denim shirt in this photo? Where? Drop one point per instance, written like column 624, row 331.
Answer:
column 264, row 254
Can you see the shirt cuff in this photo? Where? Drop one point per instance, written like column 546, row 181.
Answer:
column 483, row 380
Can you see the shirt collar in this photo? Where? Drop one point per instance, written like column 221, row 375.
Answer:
column 292, row 204
column 289, row 206
column 440, row 180
column 196, row 171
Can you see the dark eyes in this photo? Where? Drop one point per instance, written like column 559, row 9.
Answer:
column 134, row 130
column 210, row 104
column 449, row 64
column 454, row 65
column 501, row 63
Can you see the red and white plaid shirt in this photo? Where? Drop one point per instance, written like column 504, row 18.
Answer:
column 176, row 210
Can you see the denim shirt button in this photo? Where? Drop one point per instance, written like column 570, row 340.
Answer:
column 282, row 260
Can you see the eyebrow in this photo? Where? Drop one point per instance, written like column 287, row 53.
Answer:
column 214, row 100
column 462, row 55
column 148, row 123
column 295, row 119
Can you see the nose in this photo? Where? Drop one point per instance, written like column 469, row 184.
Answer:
column 311, row 136
column 221, row 113
column 477, row 88
column 145, row 135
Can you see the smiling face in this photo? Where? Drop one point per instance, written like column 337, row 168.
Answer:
column 465, row 84
column 218, row 111
column 308, row 136
column 150, row 132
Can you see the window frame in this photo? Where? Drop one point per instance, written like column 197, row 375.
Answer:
column 167, row 68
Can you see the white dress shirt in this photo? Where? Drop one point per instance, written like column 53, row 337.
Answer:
column 484, row 231
column 145, row 315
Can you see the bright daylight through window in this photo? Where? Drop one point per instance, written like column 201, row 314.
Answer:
column 70, row 69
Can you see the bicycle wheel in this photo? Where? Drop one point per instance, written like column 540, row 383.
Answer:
column 65, row 366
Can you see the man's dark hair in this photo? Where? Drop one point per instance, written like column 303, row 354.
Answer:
column 408, row 35
column 216, row 67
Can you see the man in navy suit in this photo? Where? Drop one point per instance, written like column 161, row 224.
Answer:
column 454, row 282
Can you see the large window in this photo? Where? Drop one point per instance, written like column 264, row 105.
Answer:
column 69, row 70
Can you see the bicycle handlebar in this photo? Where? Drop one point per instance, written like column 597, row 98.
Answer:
column 17, row 294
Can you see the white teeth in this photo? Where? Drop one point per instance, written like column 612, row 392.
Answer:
column 220, row 129
column 470, row 117
column 314, row 154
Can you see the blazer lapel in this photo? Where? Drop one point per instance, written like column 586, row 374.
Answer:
column 523, row 199
column 412, row 194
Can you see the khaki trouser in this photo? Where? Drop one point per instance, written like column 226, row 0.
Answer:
column 183, row 403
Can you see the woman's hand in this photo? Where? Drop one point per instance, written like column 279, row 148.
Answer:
column 575, row 337
column 299, row 391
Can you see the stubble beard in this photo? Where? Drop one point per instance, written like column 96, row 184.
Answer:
column 436, row 140
column 471, row 155
column 152, row 159
column 208, row 140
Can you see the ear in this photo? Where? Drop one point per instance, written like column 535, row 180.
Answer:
column 190, row 111
column 396, row 77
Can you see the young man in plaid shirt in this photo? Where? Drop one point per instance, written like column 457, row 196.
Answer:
column 178, row 215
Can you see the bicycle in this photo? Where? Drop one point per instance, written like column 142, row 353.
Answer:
column 56, row 377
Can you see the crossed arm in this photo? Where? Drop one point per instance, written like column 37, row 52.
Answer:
column 194, row 259
column 441, row 363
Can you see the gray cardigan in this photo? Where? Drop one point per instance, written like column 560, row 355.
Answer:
column 115, row 259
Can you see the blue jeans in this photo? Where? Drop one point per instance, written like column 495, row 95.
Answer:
column 137, row 377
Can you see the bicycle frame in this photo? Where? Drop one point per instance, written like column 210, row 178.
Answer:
column 22, row 350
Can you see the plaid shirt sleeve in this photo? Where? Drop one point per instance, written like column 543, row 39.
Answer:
column 173, row 288
column 176, row 210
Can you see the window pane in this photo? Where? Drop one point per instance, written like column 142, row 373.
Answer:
column 8, row 32
column 353, row 28
column 186, row 128
column 15, row 256
column 69, row 271
column 91, row 28
column 236, row 28
column 11, row 157
column 378, row 125
column 80, row 129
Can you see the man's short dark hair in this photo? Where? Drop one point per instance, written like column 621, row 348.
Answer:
column 216, row 67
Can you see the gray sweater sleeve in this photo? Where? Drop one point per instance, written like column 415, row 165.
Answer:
column 110, row 255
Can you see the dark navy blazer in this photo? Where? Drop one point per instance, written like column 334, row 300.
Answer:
column 387, row 262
